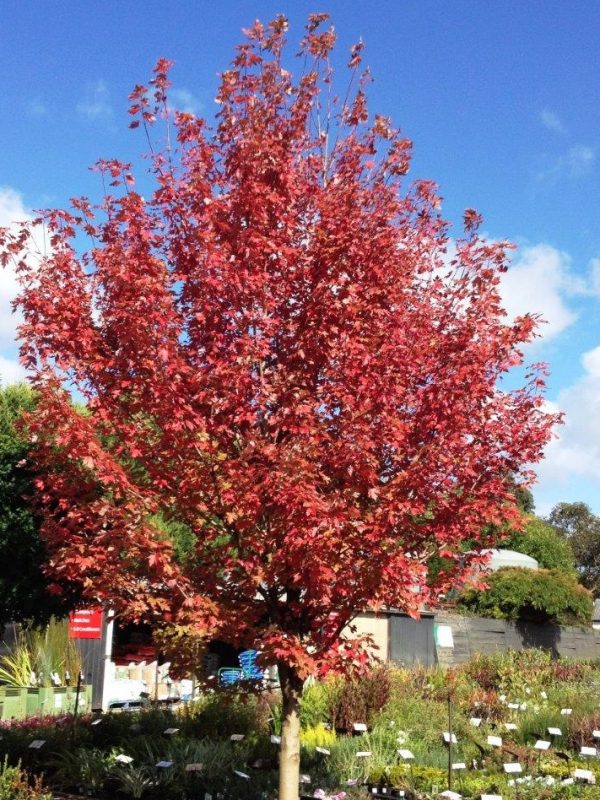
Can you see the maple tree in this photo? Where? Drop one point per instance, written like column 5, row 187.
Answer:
column 281, row 349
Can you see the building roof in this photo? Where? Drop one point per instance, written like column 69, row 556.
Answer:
column 508, row 558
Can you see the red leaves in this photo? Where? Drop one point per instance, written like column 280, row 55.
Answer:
column 276, row 357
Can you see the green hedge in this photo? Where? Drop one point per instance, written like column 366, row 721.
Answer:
column 544, row 595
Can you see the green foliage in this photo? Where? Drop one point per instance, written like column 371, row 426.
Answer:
column 15, row 784
column 546, row 596
column 582, row 528
column 23, row 586
column 42, row 651
column 542, row 541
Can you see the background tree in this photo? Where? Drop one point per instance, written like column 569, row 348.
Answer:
column 275, row 343
column 542, row 541
column 24, row 588
column 581, row 528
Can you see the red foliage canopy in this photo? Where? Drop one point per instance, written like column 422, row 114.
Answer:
column 280, row 348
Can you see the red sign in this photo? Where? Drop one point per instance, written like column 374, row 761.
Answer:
column 86, row 624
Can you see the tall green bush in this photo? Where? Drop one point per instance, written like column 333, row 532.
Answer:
column 545, row 596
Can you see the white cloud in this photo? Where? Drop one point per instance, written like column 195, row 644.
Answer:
column 552, row 121
column 575, row 453
column 184, row 100
column 10, row 371
column 95, row 105
column 577, row 162
column 12, row 210
column 537, row 282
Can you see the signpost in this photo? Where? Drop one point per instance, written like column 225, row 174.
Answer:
column 86, row 623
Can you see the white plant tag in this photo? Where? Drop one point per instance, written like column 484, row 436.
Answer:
column 449, row 737
column 541, row 745
column 555, row 731
column 359, row 727
column 514, row 706
column 459, row 765
column 194, row 767
column 241, row 774
column 37, row 744
column 566, row 711
column 323, row 750
column 596, row 734
column 304, row 778
column 584, row 775
column 123, row 759
column 588, row 751
column 407, row 755
column 171, row 731
column 275, row 739
column 512, row 767
column 363, row 754
column 510, row 726
column 491, row 797
column 494, row 741
column 164, row 764
column 475, row 721
column 236, row 737
column 450, row 795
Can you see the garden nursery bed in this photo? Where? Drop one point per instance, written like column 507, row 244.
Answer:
column 517, row 725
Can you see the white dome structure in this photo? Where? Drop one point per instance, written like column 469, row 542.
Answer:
column 508, row 558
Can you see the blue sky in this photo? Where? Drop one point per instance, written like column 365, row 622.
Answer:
column 500, row 98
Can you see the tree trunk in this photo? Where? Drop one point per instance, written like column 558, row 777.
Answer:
column 289, row 756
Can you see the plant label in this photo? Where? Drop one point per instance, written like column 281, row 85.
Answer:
column 459, row 765
column 236, row 737
column 494, row 741
column 567, row 782
column 449, row 737
column 588, row 751
column 171, row 731
column 566, row 711
column 585, row 775
column 450, row 795
column 241, row 774
column 541, row 745
column 194, row 767
column 491, row 797
column 163, row 764
column 97, row 721
column 37, row 744
column 514, row 706
column 513, row 767
column 364, row 754
column 596, row 734
column 304, row 778
column 475, row 721
column 123, row 759
column 275, row 739
column 555, row 731
column 407, row 755
column 510, row 726
column 359, row 727
column 323, row 750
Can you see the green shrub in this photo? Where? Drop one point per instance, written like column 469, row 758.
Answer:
column 15, row 785
column 542, row 541
column 545, row 596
